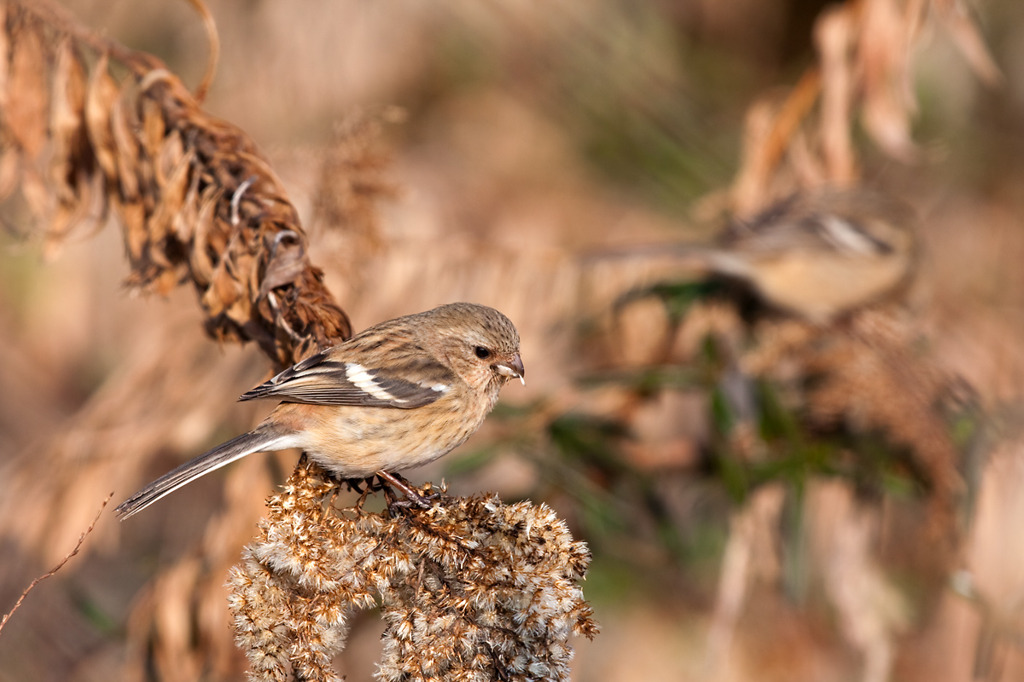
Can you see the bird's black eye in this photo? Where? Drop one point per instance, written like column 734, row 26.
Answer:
column 482, row 352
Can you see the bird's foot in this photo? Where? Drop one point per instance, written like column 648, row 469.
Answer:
column 389, row 482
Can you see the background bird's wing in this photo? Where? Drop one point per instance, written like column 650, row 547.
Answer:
column 828, row 220
column 323, row 380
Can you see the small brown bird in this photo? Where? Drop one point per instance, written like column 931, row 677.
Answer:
column 817, row 254
column 398, row 395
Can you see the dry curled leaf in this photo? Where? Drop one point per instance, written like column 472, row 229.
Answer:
column 196, row 201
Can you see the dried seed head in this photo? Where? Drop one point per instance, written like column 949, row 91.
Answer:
column 469, row 589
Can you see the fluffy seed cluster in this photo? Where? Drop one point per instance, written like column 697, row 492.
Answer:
column 470, row 589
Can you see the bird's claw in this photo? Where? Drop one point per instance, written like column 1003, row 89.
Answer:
column 389, row 482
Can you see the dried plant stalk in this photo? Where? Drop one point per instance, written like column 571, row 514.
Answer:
column 196, row 200
column 471, row 589
column 53, row 571
column 864, row 72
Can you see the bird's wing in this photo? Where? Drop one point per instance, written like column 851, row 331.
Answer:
column 840, row 221
column 325, row 380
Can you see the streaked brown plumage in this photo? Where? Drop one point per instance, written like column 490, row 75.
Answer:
column 398, row 395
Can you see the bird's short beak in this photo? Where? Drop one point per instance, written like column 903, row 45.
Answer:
column 513, row 370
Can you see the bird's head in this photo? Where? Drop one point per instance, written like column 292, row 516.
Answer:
column 480, row 343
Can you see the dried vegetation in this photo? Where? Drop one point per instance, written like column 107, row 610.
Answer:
column 471, row 589
column 195, row 199
column 92, row 128
column 832, row 461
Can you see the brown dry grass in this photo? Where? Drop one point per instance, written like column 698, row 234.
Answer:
column 495, row 201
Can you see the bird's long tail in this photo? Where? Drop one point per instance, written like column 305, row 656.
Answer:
column 258, row 440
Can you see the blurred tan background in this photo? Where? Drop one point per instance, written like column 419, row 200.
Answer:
column 514, row 135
